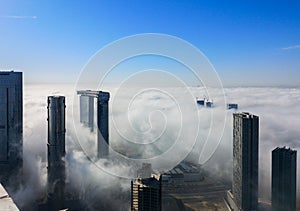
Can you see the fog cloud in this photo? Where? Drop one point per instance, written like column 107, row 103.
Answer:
column 153, row 116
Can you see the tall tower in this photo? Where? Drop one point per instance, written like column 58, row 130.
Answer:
column 11, row 122
column 56, row 151
column 146, row 194
column 102, row 122
column 284, row 165
column 86, row 117
column 244, row 195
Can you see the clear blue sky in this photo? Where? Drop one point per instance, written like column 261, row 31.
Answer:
column 248, row 42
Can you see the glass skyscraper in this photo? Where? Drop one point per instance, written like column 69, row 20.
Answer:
column 11, row 122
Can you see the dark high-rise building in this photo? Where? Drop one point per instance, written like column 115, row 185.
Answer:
column 11, row 122
column 245, row 161
column 56, row 151
column 244, row 194
column 284, row 179
column 102, row 122
column 146, row 194
column 102, row 117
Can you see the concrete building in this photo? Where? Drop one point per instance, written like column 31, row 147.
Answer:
column 182, row 173
column 188, row 187
column 146, row 194
column 11, row 123
column 284, row 168
column 102, row 117
column 56, row 152
column 244, row 192
column 6, row 202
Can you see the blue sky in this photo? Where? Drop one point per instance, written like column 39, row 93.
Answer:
column 248, row 42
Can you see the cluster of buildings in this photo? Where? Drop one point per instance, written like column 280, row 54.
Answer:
column 205, row 102
column 56, row 199
column 146, row 190
column 11, row 138
column 244, row 192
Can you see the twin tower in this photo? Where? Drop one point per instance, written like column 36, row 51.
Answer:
column 87, row 98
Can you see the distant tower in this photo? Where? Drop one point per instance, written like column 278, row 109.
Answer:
column 244, row 195
column 87, row 113
column 56, row 151
column 146, row 194
column 284, row 168
column 11, row 122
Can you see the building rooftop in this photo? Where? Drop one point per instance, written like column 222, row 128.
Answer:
column 98, row 94
column 199, row 195
column 151, row 182
column 194, row 188
column 56, row 96
column 184, row 168
column 284, row 149
column 9, row 72
column 246, row 115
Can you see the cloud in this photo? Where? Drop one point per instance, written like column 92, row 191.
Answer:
column 291, row 47
column 93, row 185
column 19, row 17
column 152, row 115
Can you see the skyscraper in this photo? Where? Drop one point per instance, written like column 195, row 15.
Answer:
column 11, row 122
column 56, row 151
column 244, row 195
column 102, row 117
column 284, row 179
column 146, row 194
column 103, row 127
